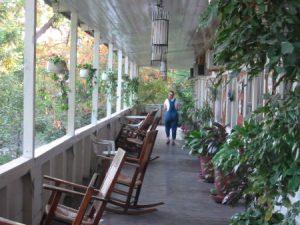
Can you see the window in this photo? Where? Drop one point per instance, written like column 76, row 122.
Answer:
column 12, row 21
column 51, row 100
column 84, row 85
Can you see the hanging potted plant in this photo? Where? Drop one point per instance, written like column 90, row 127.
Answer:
column 130, row 87
column 86, row 70
column 108, row 83
column 56, row 64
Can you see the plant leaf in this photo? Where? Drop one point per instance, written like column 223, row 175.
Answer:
column 286, row 48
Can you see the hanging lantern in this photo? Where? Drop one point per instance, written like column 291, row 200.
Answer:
column 159, row 34
column 158, row 54
column 160, row 26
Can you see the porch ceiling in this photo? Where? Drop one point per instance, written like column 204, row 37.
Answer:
column 127, row 24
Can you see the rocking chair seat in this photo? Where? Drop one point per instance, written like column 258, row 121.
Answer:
column 66, row 214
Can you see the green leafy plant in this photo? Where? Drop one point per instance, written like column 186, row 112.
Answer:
column 109, row 85
column 61, row 80
column 257, row 34
column 130, row 88
column 216, row 137
column 184, row 92
column 195, row 144
column 257, row 216
column 209, row 15
column 200, row 117
column 57, row 59
column 226, row 159
column 264, row 36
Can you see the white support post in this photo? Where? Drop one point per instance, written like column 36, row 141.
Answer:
column 134, row 70
column 202, row 91
column 126, row 65
column 29, row 78
column 119, row 87
column 196, row 93
column 131, row 76
column 130, row 70
column 255, row 89
column 125, row 72
column 234, row 103
column 245, row 79
column 109, row 67
column 137, row 70
column 96, row 60
column 228, row 105
column 72, row 74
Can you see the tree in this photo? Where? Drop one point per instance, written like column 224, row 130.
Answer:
column 11, row 79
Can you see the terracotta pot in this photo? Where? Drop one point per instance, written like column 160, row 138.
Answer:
column 222, row 184
column 207, row 169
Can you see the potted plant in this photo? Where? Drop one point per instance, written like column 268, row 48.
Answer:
column 185, row 96
column 194, row 140
column 226, row 181
column 56, row 64
column 86, row 70
column 108, row 83
column 215, row 136
column 130, row 87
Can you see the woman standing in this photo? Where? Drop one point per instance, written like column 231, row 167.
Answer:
column 171, row 117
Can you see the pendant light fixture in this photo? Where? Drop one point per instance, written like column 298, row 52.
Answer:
column 159, row 34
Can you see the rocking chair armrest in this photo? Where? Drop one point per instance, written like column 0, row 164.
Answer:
column 126, row 162
column 63, row 190
column 135, row 141
column 103, row 142
column 105, row 157
column 132, row 164
column 65, row 182
column 132, row 123
column 72, row 192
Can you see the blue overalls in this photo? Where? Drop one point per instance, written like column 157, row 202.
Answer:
column 171, row 119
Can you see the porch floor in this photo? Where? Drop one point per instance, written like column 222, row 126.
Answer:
column 174, row 179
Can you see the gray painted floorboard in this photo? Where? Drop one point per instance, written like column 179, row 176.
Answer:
column 174, row 179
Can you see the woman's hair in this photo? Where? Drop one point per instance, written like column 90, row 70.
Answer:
column 172, row 92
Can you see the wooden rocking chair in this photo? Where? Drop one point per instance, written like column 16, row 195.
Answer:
column 94, row 200
column 129, row 131
column 126, row 132
column 125, row 197
column 136, row 143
